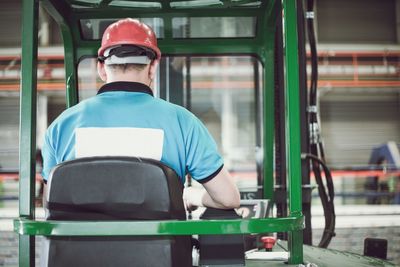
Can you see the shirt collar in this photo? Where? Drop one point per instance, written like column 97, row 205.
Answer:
column 126, row 87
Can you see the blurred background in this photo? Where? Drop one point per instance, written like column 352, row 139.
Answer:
column 358, row 44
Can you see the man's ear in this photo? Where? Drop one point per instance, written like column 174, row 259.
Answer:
column 101, row 71
column 153, row 69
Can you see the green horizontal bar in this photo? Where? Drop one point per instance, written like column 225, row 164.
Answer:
column 190, row 46
column 140, row 228
column 122, row 12
column 211, row 46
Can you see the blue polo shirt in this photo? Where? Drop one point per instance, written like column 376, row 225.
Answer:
column 187, row 145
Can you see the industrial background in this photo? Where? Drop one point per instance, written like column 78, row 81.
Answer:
column 358, row 44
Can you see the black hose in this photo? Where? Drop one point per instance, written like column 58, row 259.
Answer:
column 317, row 156
column 327, row 200
column 313, row 51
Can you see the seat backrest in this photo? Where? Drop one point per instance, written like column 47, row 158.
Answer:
column 116, row 188
column 102, row 188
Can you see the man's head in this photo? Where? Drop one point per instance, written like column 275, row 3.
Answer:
column 128, row 52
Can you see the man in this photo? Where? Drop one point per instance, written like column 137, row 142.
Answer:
column 124, row 119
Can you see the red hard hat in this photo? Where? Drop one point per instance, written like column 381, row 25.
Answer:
column 129, row 32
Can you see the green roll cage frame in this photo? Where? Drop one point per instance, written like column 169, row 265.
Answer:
column 67, row 15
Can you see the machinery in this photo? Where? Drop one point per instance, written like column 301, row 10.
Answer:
column 81, row 23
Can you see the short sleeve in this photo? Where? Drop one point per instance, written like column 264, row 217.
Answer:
column 202, row 157
column 49, row 159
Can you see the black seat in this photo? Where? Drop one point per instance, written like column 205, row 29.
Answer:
column 116, row 188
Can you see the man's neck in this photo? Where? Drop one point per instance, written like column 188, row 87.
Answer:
column 121, row 78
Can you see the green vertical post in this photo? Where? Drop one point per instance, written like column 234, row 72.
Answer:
column 61, row 13
column 293, row 141
column 267, row 55
column 268, row 122
column 27, row 147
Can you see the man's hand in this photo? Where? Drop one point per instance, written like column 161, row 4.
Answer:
column 193, row 197
column 220, row 192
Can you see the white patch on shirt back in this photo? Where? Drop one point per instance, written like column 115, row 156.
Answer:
column 131, row 142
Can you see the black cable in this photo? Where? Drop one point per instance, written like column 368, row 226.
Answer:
column 327, row 199
column 323, row 196
column 317, row 156
column 313, row 51
column 327, row 172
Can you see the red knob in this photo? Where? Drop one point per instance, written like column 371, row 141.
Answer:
column 269, row 242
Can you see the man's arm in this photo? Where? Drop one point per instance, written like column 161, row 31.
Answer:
column 220, row 192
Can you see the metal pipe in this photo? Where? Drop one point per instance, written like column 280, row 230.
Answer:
column 30, row 14
column 293, row 127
